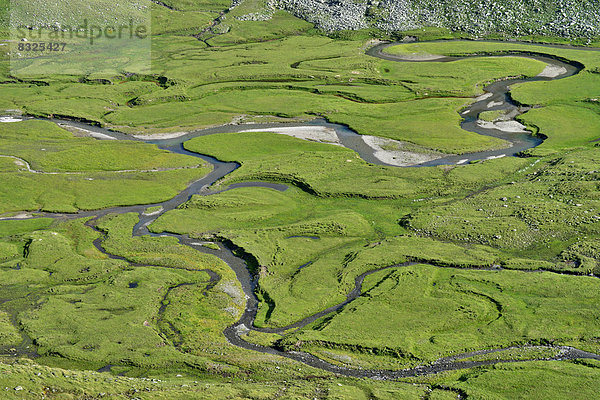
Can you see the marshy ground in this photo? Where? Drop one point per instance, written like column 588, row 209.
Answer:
column 489, row 262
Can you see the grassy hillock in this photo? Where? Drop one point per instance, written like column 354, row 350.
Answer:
column 333, row 171
column 437, row 311
column 31, row 381
column 553, row 208
column 55, row 171
column 500, row 251
column 549, row 380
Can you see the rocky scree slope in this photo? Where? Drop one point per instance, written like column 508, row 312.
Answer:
column 565, row 18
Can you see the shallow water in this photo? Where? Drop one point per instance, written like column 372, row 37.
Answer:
column 499, row 93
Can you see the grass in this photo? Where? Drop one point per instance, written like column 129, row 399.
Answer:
column 325, row 169
column 181, row 22
column 325, row 101
column 72, row 193
column 565, row 108
column 439, row 312
column 91, row 320
column 468, row 75
column 263, row 222
column 298, row 241
column 36, row 380
column 149, row 315
column 89, row 316
column 281, row 240
column 84, row 173
column 235, row 31
column 468, row 47
column 12, row 228
column 491, row 116
column 52, row 149
column 552, row 208
column 570, row 90
column 232, row 209
column 84, row 310
column 331, row 78
column 555, row 380
column 86, row 52
column 532, row 353
column 566, row 126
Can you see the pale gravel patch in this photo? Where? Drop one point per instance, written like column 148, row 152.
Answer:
column 9, row 119
column 484, row 97
column 232, row 291
column 100, row 136
column 494, row 104
column 22, row 163
column 161, row 136
column 241, row 329
column 418, row 57
column 234, row 312
column 397, row 158
column 339, row 357
column 552, row 71
column 85, row 132
column 371, row 43
column 202, row 244
column 504, row 126
column 18, row 216
column 511, row 115
column 147, row 214
column 319, row 134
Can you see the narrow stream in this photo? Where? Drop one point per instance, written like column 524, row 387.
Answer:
column 497, row 97
column 498, row 94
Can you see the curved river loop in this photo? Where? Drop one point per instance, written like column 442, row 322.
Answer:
column 497, row 97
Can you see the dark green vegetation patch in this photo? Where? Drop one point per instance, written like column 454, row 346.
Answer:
column 496, row 259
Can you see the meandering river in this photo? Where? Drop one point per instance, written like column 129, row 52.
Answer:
column 497, row 97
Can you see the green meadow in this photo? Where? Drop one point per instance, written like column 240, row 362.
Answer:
column 496, row 254
column 435, row 311
column 68, row 173
column 325, row 169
